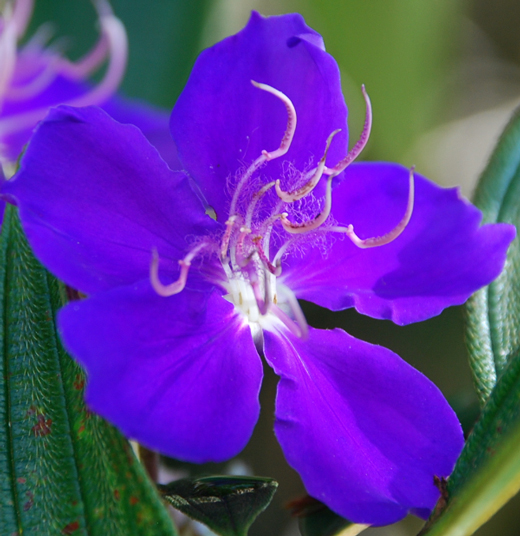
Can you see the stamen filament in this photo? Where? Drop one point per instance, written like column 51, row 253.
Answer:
column 275, row 270
column 176, row 286
column 258, row 195
column 388, row 237
column 311, row 184
column 227, row 236
column 360, row 144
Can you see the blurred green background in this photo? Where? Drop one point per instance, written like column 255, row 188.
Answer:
column 443, row 76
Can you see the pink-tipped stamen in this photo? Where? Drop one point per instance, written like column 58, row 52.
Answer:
column 360, row 144
column 311, row 184
column 176, row 286
column 388, row 237
column 317, row 221
column 291, row 121
column 266, row 156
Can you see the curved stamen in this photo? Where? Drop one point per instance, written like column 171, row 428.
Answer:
column 311, row 225
column 388, row 237
column 266, row 156
column 35, row 86
column 177, row 286
column 114, row 31
column 291, row 121
column 360, row 144
column 311, row 184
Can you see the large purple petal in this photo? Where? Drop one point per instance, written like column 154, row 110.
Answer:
column 180, row 375
column 365, row 430
column 221, row 122
column 95, row 199
column 440, row 259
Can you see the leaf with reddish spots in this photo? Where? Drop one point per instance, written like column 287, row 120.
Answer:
column 42, row 405
column 30, row 502
column 79, row 382
column 42, row 427
column 70, row 528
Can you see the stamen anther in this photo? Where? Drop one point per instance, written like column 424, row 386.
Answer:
column 311, row 225
column 291, row 121
column 360, row 144
column 311, row 184
column 390, row 236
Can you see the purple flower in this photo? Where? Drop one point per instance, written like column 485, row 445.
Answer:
column 34, row 78
column 250, row 226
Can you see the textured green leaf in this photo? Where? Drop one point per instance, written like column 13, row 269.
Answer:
column 315, row 519
column 493, row 313
column 487, row 473
column 228, row 505
column 63, row 470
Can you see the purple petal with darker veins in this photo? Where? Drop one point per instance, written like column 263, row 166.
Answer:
column 95, row 199
column 440, row 259
column 180, row 375
column 376, row 430
column 221, row 122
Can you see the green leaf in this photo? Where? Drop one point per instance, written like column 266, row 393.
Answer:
column 493, row 313
column 228, row 505
column 487, row 473
column 316, row 519
column 63, row 470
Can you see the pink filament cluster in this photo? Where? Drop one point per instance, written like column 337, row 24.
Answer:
column 244, row 249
